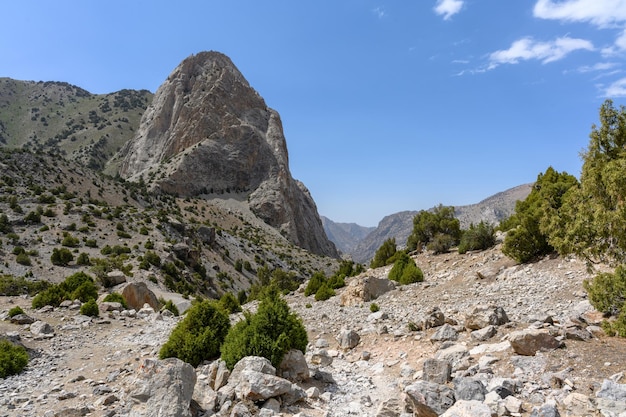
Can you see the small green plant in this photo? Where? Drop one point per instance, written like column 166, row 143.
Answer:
column 11, row 286
column 13, row 358
column 83, row 259
column 15, row 311
column 413, row 327
column 405, row 271
column 607, row 293
column 90, row 308
column 70, row 241
column 374, row 307
column 23, row 259
column 53, row 296
column 270, row 333
column 170, row 306
column 61, row 256
column 324, row 292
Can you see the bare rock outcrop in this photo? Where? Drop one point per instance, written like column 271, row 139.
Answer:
column 208, row 132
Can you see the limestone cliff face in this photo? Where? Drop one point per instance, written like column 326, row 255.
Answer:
column 208, row 132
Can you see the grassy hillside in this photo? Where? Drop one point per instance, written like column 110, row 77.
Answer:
column 56, row 117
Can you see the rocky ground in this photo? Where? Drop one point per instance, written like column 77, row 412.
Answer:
column 90, row 367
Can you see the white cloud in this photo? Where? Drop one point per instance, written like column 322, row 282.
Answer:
column 602, row 13
column 617, row 89
column 379, row 12
column 448, row 8
column 600, row 66
column 527, row 48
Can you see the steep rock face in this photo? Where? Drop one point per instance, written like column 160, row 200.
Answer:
column 208, row 132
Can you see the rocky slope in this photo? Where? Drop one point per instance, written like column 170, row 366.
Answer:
column 460, row 340
column 400, row 225
column 207, row 132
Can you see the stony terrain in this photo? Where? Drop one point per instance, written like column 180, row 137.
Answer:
column 91, row 367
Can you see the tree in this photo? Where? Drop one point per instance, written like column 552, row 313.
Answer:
column 437, row 226
column 592, row 220
column 61, row 256
column 478, row 237
column 384, row 253
column 530, row 236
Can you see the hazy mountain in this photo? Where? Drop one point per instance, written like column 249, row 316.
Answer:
column 400, row 225
column 345, row 235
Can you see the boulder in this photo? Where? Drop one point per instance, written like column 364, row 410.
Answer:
column 484, row 334
column 42, row 329
column 529, row 341
column 321, row 357
column 549, row 409
column 482, row 316
column 293, row 367
column 110, row 306
column 348, row 339
column 436, row 371
column 163, row 389
column 137, row 294
column 257, row 386
column 433, row 318
column 469, row 389
column 457, row 355
column 436, row 397
column 444, row 334
column 114, row 278
column 577, row 404
column 470, row 408
column 206, row 234
column 364, row 288
column 22, row 319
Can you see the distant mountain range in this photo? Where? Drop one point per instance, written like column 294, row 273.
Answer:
column 361, row 242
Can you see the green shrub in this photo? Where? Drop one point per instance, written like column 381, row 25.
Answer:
column 116, row 297
column 229, row 303
column 53, row 296
column 72, row 282
column 170, row 306
column 32, row 217
column 90, row 308
column 285, row 281
column 23, row 259
column 523, row 245
column 199, row 335
column 13, row 358
column 441, row 243
column 91, row 243
column 15, row 311
column 315, row 283
column 374, row 307
column 11, row 286
column 70, row 241
column 18, row 250
column 61, row 257
column 405, row 271
column 152, row 258
column 85, row 292
column 384, row 253
column 269, row 333
column 324, row 293
column 479, row 237
column 607, row 292
column 83, row 259
column 336, row 281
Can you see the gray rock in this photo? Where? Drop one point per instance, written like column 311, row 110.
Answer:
column 348, row 339
column 484, row 334
column 437, row 397
column 469, row 389
column 445, row 333
column 612, row 390
column 222, row 374
column 549, row 409
column 110, row 306
column 529, row 341
column 114, row 278
column 468, row 409
column 456, row 354
column 162, row 389
column 390, row 407
column 40, row 328
column 293, row 367
column 22, row 319
column 433, row 318
column 257, row 386
column 483, row 316
column 436, row 371
column 364, row 288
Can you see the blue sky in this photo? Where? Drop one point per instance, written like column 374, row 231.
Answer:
column 386, row 105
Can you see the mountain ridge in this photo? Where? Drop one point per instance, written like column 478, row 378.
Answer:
column 399, row 225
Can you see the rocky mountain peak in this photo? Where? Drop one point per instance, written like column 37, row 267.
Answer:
column 208, row 132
